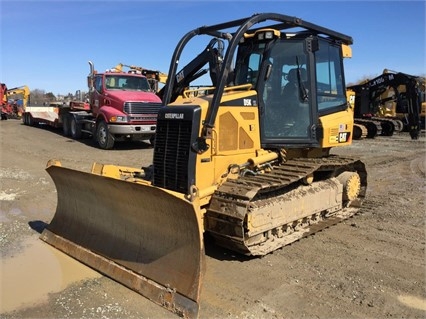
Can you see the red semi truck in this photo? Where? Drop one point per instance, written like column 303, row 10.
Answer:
column 121, row 106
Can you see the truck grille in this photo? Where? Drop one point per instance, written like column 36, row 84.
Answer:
column 141, row 107
column 174, row 161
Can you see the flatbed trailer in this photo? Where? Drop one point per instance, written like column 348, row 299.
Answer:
column 53, row 115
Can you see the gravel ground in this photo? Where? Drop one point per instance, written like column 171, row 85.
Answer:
column 370, row 266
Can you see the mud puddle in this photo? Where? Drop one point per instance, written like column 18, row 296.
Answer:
column 28, row 277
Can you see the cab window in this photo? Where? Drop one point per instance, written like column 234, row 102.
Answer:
column 330, row 82
column 98, row 83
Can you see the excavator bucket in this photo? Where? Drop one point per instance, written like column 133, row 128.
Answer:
column 139, row 235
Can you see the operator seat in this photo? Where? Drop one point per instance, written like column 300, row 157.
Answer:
column 295, row 98
column 291, row 90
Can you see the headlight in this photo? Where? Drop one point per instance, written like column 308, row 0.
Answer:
column 119, row 119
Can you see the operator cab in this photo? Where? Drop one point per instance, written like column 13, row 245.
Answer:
column 297, row 77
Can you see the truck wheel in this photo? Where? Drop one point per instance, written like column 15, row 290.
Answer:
column 104, row 138
column 152, row 140
column 75, row 129
column 66, row 125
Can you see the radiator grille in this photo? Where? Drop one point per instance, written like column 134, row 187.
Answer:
column 141, row 107
column 174, row 161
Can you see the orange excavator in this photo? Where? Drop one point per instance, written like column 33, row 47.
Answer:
column 13, row 101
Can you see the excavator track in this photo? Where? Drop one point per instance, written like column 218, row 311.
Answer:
column 374, row 128
column 389, row 126
column 359, row 132
column 255, row 215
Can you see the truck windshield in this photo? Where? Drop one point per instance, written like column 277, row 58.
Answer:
column 126, row 82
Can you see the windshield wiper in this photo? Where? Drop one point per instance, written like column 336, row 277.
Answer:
column 303, row 92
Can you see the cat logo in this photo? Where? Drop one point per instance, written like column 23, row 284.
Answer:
column 174, row 116
column 343, row 137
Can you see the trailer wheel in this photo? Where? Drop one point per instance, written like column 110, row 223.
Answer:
column 66, row 125
column 30, row 120
column 75, row 129
column 104, row 138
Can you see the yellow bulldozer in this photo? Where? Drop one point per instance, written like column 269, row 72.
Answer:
column 247, row 162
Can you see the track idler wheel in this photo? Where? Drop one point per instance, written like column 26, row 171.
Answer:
column 387, row 128
column 372, row 130
column 351, row 186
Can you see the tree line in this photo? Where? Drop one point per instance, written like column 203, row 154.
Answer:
column 40, row 97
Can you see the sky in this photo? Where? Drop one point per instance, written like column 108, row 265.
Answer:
column 46, row 45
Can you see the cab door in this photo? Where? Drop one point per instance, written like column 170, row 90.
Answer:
column 288, row 109
column 97, row 94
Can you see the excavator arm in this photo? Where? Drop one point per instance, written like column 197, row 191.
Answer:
column 24, row 91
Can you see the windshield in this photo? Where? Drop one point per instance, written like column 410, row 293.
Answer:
column 126, row 82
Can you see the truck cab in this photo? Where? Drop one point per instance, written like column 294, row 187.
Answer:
column 122, row 107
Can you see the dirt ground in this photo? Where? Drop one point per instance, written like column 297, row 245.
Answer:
column 370, row 266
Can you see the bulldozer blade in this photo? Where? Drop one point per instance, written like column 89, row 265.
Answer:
column 139, row 235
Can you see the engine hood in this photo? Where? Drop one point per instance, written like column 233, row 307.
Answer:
column 132, row 96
